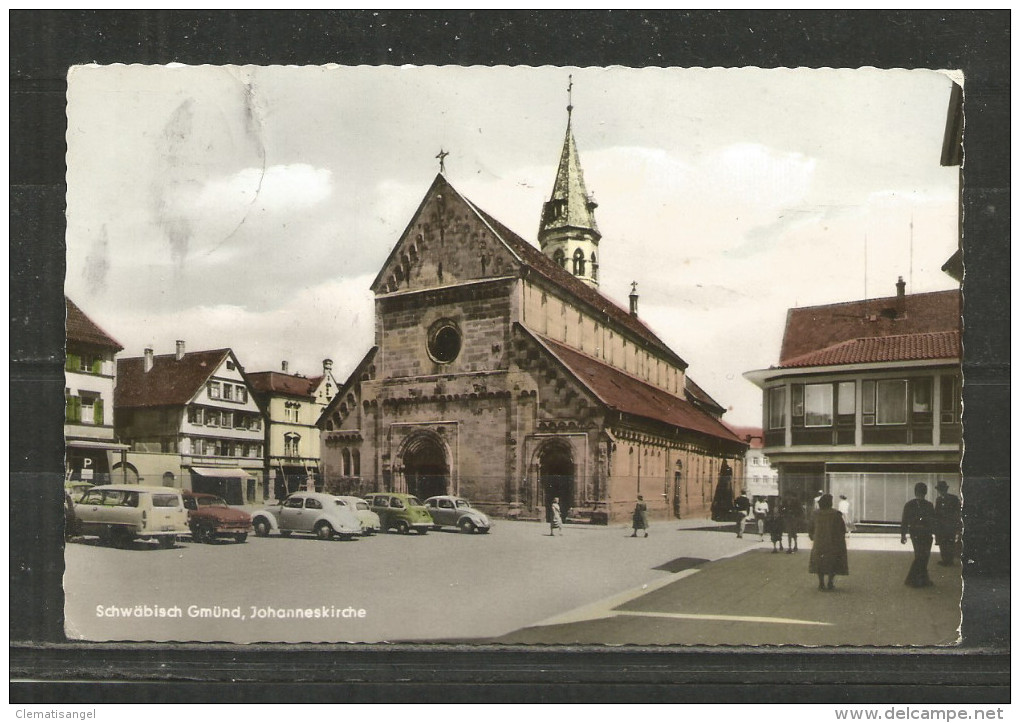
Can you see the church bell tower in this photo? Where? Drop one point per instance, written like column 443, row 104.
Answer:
column 568, row 233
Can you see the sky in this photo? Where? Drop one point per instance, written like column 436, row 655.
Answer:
column 251, row 207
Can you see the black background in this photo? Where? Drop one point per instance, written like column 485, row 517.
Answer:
column 46, row 668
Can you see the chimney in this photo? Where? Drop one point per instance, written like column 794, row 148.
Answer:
column 901, row 301
column 633, row 298
column 327, row 367
column 180, row 350
column 147, row 364
column 284, row 366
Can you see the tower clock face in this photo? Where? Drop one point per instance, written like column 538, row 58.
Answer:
column 444, row 341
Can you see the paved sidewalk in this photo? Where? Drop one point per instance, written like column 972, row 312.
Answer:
column 756, row 597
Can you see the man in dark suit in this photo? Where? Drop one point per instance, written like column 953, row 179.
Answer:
column 742, row 505
column 919, row 522
column 947, row 523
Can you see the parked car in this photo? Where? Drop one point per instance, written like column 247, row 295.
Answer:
column 308, row 512
column 447, row 510
column 400, row 512
column 210, row 517
column 370, row 522
column 77, row 488
column 121, row 513
column 71, row 527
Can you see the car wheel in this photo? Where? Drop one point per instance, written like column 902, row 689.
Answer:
column 198, row 534
column 261, row 528
column 241, row 537
column 402, row 527
column 467, row 526
column 167, row 541
column 324, row 531
column 121, row 538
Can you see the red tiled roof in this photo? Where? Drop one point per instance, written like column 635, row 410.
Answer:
column 902, row 347
column 169, row 382
column 573, row 286
column 280, row 383
column 693, row 390
column 630, row 395
column 82, row 329
column 814, row 328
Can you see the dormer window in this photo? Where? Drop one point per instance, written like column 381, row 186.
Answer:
column 579, row 263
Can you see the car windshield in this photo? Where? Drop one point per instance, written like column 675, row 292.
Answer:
column 211, row 502
column 413, row 502
column 165, row 500
column 463, row 503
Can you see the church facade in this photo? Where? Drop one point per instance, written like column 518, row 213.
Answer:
column 500, row 373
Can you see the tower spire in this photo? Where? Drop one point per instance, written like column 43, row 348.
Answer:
column 567, row 232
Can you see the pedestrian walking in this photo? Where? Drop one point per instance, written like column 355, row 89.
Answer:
column 640, row 516
column 828, row 554
column 775, row 527
column 844, row 509
column 761, row 512
column 793, row 518
column 742, row 505
column 555, row 520
column 948, row 523
column 919, row 522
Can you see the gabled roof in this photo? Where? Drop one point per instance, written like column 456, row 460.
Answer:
column 902, row 347
column 569, row 205
column 814, row 328
column 346, row 387
column 293, row 385
column 623, row 393
column 82, row 329
column 699, row 396
column 574, row 287
column 170, row 382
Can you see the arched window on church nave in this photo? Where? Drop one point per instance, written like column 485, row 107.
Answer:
column 594, row 267
column 356, row 463
column 579, row 263
column 345, row 457
column 560, row 258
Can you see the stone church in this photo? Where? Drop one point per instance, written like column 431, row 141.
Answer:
column 502, row 374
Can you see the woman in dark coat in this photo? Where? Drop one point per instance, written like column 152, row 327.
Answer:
column 793, row 518
column 828, row 555
column 640, row 516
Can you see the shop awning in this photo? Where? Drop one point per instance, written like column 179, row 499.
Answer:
column 221, row 472
column 96, row 444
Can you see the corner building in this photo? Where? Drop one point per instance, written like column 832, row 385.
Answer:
column 500, row 373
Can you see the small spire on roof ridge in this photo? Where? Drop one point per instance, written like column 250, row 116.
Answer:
column 442, row 160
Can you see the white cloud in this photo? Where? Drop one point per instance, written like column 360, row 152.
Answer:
column 276, row 189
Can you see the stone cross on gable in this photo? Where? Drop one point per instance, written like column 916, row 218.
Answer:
column 442, row 160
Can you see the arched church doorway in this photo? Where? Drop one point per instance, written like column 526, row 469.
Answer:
column 426, row 470
column 556, row 477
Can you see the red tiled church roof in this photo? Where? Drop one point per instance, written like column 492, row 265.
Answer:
column 815, row 328
column 630, row 395
column 280, row 383
column 902, row 347
column 570, row 284
column 751, row 435
column 170, row 382
column 82, row 329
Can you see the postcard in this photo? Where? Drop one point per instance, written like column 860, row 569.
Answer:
column 553, row 355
